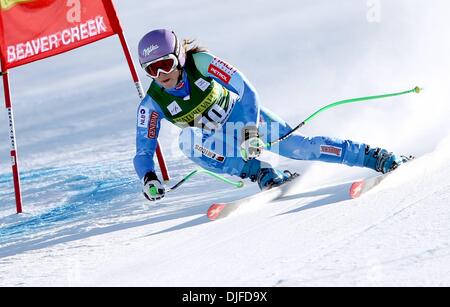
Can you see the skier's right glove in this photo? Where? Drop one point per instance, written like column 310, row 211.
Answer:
column 251, row 145
column 153, row 189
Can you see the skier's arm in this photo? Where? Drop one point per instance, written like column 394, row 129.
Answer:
column 233, row 80
column 147, row 130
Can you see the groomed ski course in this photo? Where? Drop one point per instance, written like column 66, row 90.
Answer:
column 87, row 224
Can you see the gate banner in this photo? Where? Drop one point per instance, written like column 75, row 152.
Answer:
column 31, row 30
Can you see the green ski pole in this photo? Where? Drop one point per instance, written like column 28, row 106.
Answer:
column 337, row 103
column 237, row 184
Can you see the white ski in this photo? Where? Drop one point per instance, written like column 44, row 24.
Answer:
column 220, row 210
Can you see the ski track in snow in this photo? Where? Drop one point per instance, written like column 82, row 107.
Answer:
column 96, row 209
column 399, row 211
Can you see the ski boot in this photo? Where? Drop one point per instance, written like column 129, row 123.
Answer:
column 268, row 178
column 383, row 161
column 263, row 173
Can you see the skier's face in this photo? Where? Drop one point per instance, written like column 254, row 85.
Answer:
column 169, row 80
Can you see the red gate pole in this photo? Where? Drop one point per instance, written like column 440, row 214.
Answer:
column 12, row 136
column 137, row 82
column 109, row 6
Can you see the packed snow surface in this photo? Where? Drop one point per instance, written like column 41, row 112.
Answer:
column 86, row 223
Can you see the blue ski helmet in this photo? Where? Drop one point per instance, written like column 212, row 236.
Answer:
column 159, row 43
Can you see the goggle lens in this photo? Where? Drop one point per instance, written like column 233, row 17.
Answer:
column 166, row 65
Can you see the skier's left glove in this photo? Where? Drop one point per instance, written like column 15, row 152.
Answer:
column 251, row 145
column 153, row 189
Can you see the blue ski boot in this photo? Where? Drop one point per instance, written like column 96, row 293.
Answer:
column 382, row 161
column 263, row 173
column 270, row 177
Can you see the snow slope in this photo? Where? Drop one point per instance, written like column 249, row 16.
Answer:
column 86, row 223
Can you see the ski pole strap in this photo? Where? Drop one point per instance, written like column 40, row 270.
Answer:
column 341, row 102
column 237, row 184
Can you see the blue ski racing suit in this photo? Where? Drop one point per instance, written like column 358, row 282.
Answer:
column 215, row 149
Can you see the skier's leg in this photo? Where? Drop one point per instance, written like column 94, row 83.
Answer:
column 309, row 148
column 325, row 149
column 216, row 152
column 219, row 153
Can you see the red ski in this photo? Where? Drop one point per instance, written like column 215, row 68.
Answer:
column 362, row 186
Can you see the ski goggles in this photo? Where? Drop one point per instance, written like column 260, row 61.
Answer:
column 166, row 64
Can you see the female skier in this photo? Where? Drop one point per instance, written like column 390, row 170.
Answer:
column 219, row 110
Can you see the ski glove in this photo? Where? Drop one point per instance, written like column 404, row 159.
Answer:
column 251, row 145
column 153, row 189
